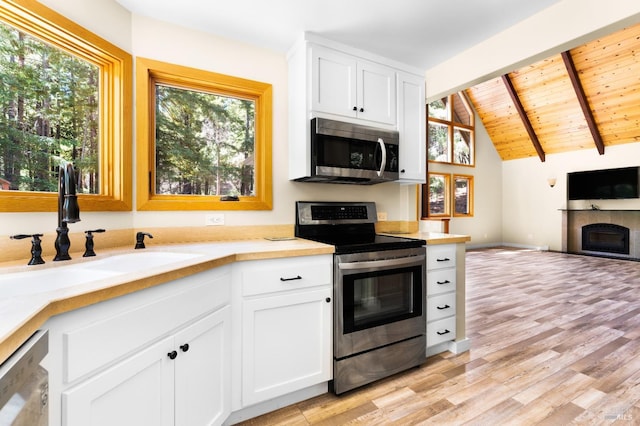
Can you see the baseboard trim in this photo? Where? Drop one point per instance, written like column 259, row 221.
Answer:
column 276, row 403
column 514, row 245
column 455, row 347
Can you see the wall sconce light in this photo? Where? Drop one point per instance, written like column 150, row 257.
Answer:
column 551, row 181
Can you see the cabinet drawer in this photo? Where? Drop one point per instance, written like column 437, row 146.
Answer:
column 441, row 331
column 441, row 281
column 274, row 275
column 441, row 256
column 441, row 306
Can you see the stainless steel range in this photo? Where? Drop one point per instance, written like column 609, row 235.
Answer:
column 379, row 292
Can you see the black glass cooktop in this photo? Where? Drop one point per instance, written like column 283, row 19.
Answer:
column 363, row 243
column 350, row 227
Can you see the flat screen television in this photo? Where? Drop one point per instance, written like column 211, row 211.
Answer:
column 606, row 184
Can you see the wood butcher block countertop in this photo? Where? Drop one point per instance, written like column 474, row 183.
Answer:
column 24, row 311
column 433, row 237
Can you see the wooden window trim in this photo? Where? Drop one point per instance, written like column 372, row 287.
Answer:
column 451, row 124
column 115, row 107
column 469, row 179
column 148, row 72
column 447, row 196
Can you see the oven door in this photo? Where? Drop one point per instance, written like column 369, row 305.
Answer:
column 379, row 299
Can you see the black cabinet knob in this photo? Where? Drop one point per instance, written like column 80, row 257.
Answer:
column 172, row 355
column 328, row 300
column 361, row 109
column 355, row 108
column 184, row 347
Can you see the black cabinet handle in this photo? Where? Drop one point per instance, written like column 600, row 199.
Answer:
column 446, row 259
column 172, row 355
column 441, row 333
column 402, row 171
column 355, row 108
column 443, row 307
column 298, row 277
column 361, row 109
column 328, row 300
column 184, row 347
column 443, row 282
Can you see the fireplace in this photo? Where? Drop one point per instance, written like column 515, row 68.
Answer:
column 606, row 238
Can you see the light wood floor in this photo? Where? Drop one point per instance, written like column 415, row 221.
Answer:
column 554, row 341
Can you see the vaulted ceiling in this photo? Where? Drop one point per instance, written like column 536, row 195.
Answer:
column 584, row 98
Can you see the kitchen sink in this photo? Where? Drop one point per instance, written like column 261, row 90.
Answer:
column 141, row 261
column 64, row 276
column 32, row 282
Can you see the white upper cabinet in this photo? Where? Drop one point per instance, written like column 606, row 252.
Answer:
column 412, row 127
column 338, row 82
column 351, row 87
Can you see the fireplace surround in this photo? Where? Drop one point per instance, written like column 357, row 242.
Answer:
column 608, row 225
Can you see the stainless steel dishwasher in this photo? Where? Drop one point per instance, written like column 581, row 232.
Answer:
column 24, row 384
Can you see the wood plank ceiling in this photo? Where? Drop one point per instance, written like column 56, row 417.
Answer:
column 585, row 98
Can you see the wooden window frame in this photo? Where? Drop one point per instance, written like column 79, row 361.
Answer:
column 469, row 179
column 115, row 89
column 447, row 196
column 148, row 72
column 452, row 125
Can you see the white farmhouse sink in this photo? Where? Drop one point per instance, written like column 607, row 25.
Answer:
column 61, row 277
column 43, row 280
column 140, row 261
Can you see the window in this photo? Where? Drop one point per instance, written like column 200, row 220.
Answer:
column 462, row 195
column 451, row 131
column 438, row 195
column 64, row 96
column 201, row 136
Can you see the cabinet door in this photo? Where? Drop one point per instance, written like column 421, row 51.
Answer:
column 376, row 93
column 138, row 391
column 286, row 344
column 203, row 371
column 333, row 82
column 412, row 127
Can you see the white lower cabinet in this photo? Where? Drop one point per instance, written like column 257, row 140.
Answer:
column 183, row 353
column 181, row 380
column 286, row 326
column 441, row 294
column 160, row 356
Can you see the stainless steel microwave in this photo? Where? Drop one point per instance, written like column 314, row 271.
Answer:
column 350, row 153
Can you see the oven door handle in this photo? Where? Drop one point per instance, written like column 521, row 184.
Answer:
column 382, row 263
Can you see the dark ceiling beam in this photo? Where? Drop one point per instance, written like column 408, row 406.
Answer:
column 582, row 99
column 523, row 116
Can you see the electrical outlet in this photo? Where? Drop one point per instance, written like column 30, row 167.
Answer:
column 214, row 219
column 382, row 216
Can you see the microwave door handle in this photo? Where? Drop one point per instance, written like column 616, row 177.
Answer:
column 381, row 263
column 384, row 156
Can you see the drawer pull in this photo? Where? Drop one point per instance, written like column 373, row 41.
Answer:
column 298, row 277
column 443, row 282
column 443, row 307
column 446, row 259
column 441, row 333
column 184, row 347
column 172, row 355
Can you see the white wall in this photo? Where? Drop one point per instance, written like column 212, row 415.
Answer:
column 485, row 227
column 161, row 41
column 532, row 210
column 556, row 27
